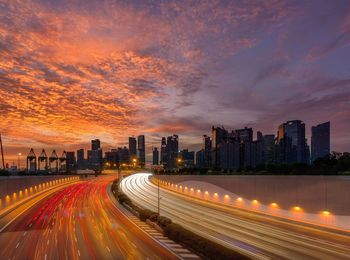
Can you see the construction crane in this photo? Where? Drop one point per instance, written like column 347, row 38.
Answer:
column 31, row 162
column 2, row 154
column 63, row 162
column 53, row 159
column 43, row 158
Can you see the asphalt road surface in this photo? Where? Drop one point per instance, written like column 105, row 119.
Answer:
column 252, row 234
column 78, row 221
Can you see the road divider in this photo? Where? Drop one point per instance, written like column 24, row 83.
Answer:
column 176, row 232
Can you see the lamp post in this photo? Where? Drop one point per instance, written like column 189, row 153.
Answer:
column 134, row 162
column 158, row 194
column 19, row 161
column 179, row 161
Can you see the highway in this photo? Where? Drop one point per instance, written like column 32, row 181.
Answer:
column 78, row 221
column 255, row 235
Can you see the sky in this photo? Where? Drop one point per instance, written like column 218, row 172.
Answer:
column 72, row 71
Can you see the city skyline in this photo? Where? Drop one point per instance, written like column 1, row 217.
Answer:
column 185, row 69
column 146, row 154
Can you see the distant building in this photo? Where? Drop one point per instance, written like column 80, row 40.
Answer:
column 141, row 147
column 95, row 155
column 80, row 159
column 269, row 149
column 132, row 147
column 169, row 151
column 245, row 134
column 218, row 135
column 206, row 146
column 187, row 158
column 320, row 141
column 292, row 142
column 111, row 158
column 163, row 152
column 95, row 144
column 200, row 159
column 229, row 155
column 71, row 164
column 155, row 154
column 172, row 148
column 123, row 155
column 95, row 159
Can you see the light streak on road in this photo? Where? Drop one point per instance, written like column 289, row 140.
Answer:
column 257, row 235
column 77, row 222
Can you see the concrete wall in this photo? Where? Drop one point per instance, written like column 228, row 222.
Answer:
column 15, row 184
column 313, row 194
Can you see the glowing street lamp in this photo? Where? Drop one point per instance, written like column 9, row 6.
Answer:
column 326, row 213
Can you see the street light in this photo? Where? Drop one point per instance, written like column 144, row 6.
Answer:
column 134, row 162
column 19, row 161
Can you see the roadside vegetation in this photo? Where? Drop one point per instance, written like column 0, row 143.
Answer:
column 4, row 173
column 176, row 232
column 334, row 164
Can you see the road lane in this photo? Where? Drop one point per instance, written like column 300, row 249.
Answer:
column 238, row 229
column 77, row 222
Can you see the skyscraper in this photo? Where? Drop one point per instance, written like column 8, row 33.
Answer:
column 95, row 156
column 206, row 146
column 155, row 153
column 80, row 159
column 123, row 155
column 141, row 147
column 320, row 141
column 269, row 149
column 163, row 152
column 95, row 144
column 291, row 138
column 132, row 147
column 187, row 158
column 70, row 162
column 245, row 134
column 218, row 135
column 172, row 148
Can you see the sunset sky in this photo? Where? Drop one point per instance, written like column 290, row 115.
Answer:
column 71, row 71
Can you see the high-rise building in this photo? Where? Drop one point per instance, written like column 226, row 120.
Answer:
column 245, row 134
column 132, row 147
column 123, row 155
column 269, row 149
column 111, row 158
column 163, row 152
column 218, row 135
column 95, row 159
column 141, row 147
column 320, row 141
column 187, row 158
column 172, row 148
column 81, row 159
column 95, row 144
column 155, row 153
column 200, row 159
column 70, row 162
column 206, row 146
column 291, row 138
column 229, row 155
column 95, row 155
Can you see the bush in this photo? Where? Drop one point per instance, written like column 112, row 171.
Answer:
column 202, row 245
column 4, row 173
column 164, row 221
column 148, row 214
